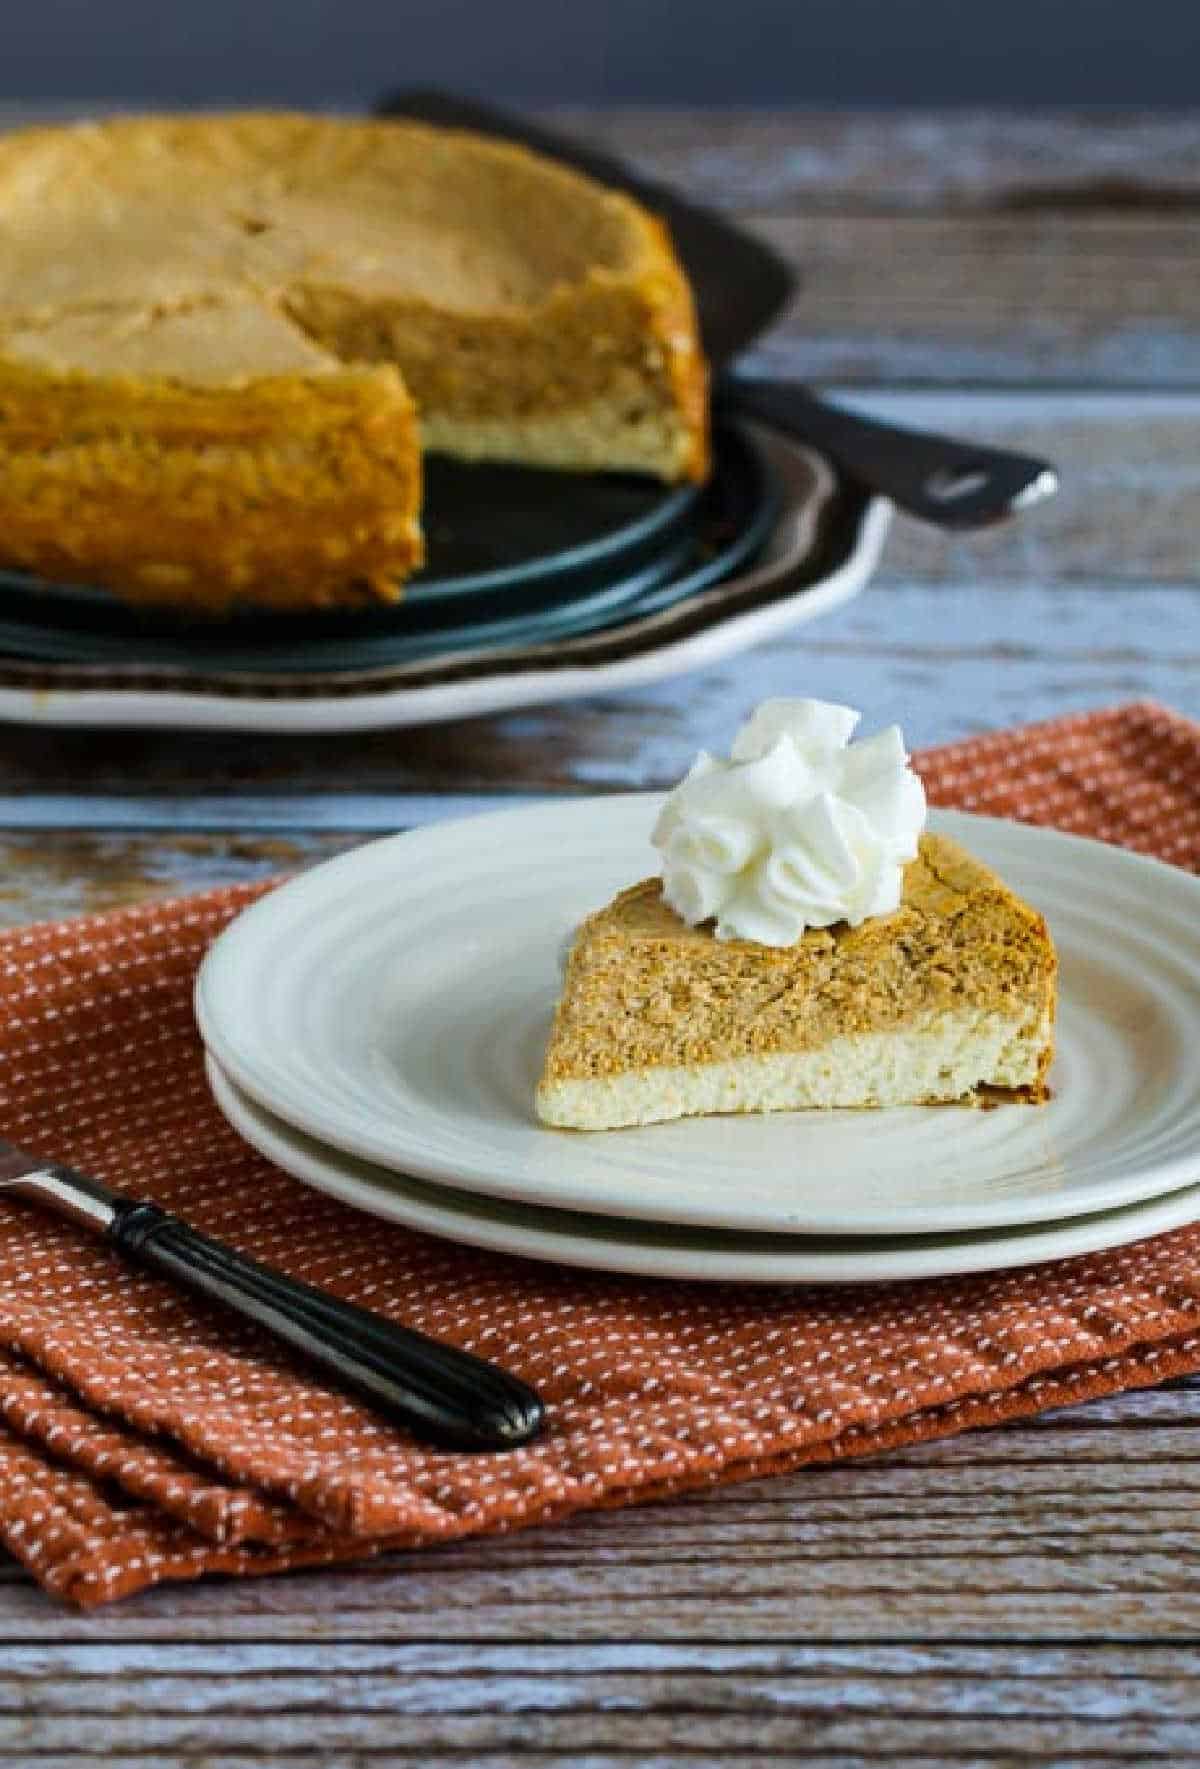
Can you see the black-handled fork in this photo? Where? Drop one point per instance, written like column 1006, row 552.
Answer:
column 441, row 1394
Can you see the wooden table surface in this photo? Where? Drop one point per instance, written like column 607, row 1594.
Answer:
column 1026, row 1596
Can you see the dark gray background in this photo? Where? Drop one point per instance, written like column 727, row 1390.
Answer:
column 831, row 52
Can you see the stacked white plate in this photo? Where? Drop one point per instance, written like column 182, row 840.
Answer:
column 376, row 1028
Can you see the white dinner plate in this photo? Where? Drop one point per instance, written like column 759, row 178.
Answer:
column 665, row 1250
column 394, row 1004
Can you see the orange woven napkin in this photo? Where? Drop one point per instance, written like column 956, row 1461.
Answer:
column 144, row 1436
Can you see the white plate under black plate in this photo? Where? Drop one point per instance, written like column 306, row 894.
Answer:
column 664, row 1250
column 394, row 1004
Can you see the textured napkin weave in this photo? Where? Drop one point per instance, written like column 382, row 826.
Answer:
column 144, row 1436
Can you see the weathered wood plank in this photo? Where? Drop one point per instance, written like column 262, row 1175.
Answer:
column 1167, row 1668
column 1064, row 1534
column 907, row 159
column 328, row 815
column 1163, row 1679
column 780, row 1720
column 1130, row 1484
column 882, row 1700
column 338, row 1610
column 694, row 1757
column 783, row 1720
column 946, row 660
column 472, row 1613
column 1089, row 300
column 52, row 873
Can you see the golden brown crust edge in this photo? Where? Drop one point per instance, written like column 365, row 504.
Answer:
column 678, row 329
column 288, row 494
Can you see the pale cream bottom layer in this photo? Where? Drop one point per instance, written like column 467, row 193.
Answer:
column 601, row 435
column 915, row 1066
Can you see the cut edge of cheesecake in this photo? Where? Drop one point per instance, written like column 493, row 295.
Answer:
column 200, row 492
column 951, row 999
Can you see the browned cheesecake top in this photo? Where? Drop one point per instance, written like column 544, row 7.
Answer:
column 137, row 216
column 211, row 344
column 645, row 989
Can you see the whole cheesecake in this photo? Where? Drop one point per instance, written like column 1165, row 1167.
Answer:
column 949, row 997
column 225, row 342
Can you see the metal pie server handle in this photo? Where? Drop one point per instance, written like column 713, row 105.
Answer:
column 441, row 1394
column 953, row 484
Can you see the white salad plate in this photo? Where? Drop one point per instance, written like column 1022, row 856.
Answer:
column 670, row 1250
column 393, row 1004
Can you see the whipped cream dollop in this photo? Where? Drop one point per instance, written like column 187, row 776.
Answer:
column 800, row 828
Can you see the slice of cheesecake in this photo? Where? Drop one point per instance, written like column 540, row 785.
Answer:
column 950, row 997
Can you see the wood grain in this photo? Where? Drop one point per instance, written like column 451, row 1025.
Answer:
column 1027, row 1595
column 1076, row 1525
column 908, row 160
column 48, row 874
column 946, row 658
column 1093, row 300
